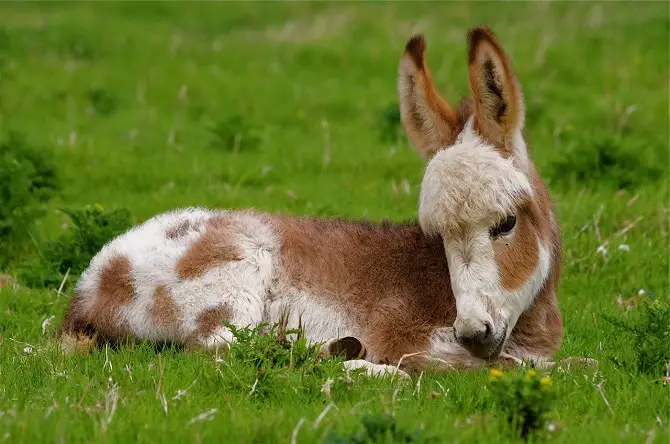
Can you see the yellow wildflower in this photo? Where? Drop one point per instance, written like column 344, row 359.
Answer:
column 495, row 373
column 531, row 373
column 545, row 382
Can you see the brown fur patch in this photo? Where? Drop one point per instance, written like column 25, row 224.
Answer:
column 179, row 230
column 76, row 333
column 209, row 320
column 115, row 289
column 391, row 281
column 76, row 317
column 540, row 329
column 541, row 210
column 215, row 246
column 164, row 313
column 429, row 121
column 518, row 255
column 416, row 48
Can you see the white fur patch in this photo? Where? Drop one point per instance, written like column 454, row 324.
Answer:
column 520, row 151
column 250, row 287
column 466, row 184
column 241, row 285
column 319, row 321
column 475, row 280
column 147, row 248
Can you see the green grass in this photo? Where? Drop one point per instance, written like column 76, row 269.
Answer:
column 139, row 101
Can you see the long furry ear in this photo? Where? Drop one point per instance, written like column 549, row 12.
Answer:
column 428, row 120
column 497, row 98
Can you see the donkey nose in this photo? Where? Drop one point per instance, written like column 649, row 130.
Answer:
column 473, row 334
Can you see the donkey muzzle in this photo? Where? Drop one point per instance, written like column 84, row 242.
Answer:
column 481, row 339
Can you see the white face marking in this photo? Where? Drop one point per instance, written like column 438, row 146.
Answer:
column 466, row 189
column 475, row 280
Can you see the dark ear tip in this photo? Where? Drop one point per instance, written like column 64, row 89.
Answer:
column 477, row 35
column 416, row 47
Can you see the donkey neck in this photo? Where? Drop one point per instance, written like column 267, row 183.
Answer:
column 360, row 266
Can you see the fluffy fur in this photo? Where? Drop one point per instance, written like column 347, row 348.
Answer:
column 442, row 291
column 469, row 183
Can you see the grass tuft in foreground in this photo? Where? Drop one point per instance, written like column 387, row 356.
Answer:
column 525, row 397
column 68, row 256
column 649, row 329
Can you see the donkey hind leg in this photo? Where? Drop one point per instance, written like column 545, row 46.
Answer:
column 352, row 350
column 75, row 334
column 234, row 294
column 220, row 338
column 211, row 333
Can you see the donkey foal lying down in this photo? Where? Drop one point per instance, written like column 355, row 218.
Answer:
column 473, row 281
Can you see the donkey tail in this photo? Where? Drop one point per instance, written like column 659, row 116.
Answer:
column 76, row 334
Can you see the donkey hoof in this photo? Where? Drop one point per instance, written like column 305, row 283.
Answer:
column 375, row 370
column 349, row 347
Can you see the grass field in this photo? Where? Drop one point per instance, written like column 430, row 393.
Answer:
column 140, row 105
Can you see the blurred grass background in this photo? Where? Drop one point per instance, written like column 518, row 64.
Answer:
column 291, row 107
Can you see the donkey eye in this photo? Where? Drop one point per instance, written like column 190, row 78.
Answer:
column 503, row 227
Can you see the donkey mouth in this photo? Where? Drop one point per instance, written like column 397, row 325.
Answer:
column 491, row 349
column 498, row 349
column 488, row 351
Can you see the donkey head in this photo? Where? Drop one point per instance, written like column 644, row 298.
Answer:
column 480, row 192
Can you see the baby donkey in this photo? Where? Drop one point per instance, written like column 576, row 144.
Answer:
column 474, row 280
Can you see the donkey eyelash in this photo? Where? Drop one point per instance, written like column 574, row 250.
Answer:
column 503, row 227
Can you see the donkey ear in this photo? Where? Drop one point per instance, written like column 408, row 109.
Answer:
column 428, row 120
column 496, row 94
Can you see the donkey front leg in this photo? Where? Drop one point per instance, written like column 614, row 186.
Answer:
column 352, row 350
column 372, row 369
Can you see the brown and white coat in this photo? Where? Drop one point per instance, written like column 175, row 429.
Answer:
column 474, row 280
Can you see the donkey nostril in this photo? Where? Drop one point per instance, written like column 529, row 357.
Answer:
column 489, row 331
